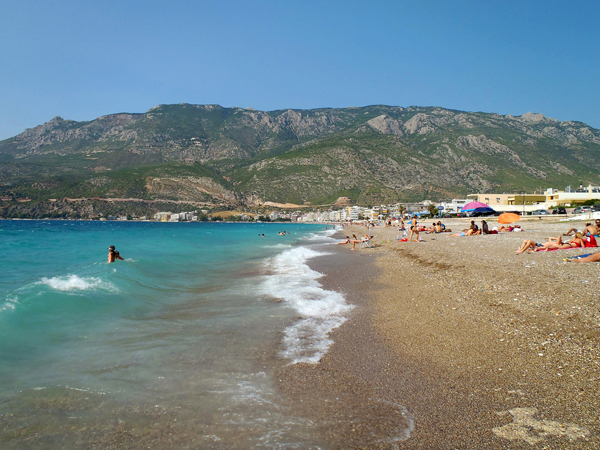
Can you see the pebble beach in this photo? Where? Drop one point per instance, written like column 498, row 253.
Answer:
column 458, row 342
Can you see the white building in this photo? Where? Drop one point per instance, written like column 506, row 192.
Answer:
column 454, row 206
column 355, row 212
column 555, row 197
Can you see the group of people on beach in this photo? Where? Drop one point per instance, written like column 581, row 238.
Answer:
column 474, row 230
column 585, row 238
column 354, row 240
column 415, row 229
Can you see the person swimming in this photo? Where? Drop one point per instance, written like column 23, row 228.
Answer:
column 113, row 255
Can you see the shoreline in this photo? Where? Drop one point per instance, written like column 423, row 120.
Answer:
column 473, row 345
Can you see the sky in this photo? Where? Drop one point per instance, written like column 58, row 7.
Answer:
column 84, row 59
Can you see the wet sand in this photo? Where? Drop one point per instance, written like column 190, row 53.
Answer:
column 458, row 342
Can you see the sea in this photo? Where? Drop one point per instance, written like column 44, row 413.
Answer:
column 176, row 346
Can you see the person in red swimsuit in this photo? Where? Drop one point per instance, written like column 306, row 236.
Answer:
column 552, row 244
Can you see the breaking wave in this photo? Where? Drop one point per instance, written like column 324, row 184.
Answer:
column 76, row 283
column 321, row 310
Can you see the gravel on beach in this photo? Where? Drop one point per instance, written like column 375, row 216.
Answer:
column 458, row 342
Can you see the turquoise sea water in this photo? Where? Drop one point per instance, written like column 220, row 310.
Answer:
column 175, row 347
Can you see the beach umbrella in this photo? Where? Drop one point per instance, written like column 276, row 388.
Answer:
column 508, row 218
column 473, row 205
column 480, row 211
column 483, row 209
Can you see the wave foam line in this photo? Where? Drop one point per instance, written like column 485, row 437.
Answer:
column 76, row 283
column 10, row 303
column 321, row 236
column 321, row 310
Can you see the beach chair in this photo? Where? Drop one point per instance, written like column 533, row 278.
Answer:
column 366, row 242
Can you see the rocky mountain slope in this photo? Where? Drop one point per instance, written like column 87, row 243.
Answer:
column 207, row 154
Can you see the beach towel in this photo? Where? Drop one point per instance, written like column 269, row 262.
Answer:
column 590, row 241
column 571, row 258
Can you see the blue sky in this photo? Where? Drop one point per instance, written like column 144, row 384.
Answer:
column 82, row 60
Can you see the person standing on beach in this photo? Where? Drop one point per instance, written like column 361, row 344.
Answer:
column 414, row 230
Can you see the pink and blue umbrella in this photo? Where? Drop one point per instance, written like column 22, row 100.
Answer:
column 472, row 206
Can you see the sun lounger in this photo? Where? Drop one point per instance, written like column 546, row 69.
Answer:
column 366, row 242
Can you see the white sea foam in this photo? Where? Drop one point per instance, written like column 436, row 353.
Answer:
column 321, row 236
column 403, row 430
column 320, row 310
column 278, row 246
column 10, row 303
column 76, row 283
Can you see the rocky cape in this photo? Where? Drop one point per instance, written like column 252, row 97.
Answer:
column 208, row 155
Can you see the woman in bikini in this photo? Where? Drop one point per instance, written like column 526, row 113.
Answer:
column 553, row 243
column 557, row 243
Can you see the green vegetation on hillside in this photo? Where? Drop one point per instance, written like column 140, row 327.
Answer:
column 207, row 154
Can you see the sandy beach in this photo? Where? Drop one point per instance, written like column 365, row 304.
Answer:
column 458, row 342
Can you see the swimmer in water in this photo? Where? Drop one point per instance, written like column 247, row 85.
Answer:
column 113, row 255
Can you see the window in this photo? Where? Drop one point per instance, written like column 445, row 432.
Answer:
column 497, row 199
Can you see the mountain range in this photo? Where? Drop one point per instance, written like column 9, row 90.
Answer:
column 208, row 155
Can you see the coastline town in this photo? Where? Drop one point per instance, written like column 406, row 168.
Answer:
column 551, row 201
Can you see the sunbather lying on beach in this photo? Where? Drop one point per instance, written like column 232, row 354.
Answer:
column 551, row 244
column 347, row 241
column 588, row 241
column 591, row 258
column 558, row 244
column 510, row 228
